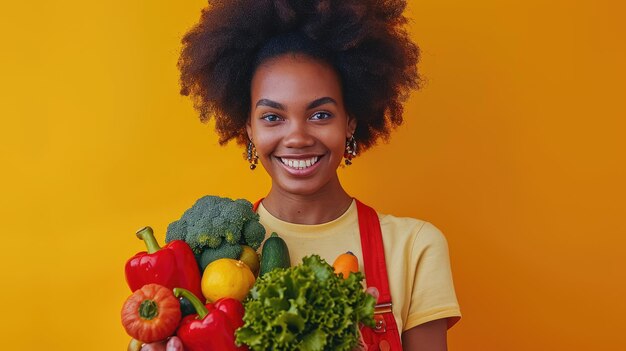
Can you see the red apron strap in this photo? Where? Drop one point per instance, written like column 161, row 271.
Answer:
column 385, row 336
column 373, row 251
column 255, row 206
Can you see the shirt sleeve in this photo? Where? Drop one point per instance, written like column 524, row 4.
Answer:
column 432, row 295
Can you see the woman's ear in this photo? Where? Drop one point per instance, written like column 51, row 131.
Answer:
column 351, row 127
column 249, row 128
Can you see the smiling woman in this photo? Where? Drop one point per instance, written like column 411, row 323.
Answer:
column 304, row 85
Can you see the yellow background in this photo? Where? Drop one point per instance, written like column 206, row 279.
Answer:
column 515, row 149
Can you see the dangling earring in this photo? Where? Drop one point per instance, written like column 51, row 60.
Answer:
column 350, row 152
column 251, row 155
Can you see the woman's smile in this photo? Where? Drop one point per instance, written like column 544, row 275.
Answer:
column 297, row 163
column 300, row 167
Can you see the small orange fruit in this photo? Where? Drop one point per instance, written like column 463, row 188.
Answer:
column 250, row 257
column 226, row 277
column 345, row 264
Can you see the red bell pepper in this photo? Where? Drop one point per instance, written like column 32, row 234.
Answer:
column 172, row 266
column 211, row 329
column 233, row 309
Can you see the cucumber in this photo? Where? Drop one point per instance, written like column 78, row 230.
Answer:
column 274, row 254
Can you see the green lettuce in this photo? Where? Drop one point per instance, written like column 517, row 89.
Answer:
column 306, row 307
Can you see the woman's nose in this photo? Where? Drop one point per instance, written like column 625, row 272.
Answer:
column 298, row 135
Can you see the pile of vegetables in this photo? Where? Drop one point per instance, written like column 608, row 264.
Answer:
column 187, row 295
column 306, row 307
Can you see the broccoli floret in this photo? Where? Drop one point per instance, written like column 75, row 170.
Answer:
column 177, row 230
column 254, row 234
column 233, row 224
column 225, row 250
column 214, row 221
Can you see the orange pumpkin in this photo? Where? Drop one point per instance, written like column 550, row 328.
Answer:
column 345, row 264
column 151, row 313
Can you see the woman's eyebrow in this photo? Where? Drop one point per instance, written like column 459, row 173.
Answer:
column 321, row 101
column 279, row 106
column 270, row 103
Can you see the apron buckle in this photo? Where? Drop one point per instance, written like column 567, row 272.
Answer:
column 380, row 324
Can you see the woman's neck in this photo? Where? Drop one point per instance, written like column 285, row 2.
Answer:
column 320, row 207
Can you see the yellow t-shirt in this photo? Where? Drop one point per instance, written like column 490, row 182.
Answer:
column 416, row 254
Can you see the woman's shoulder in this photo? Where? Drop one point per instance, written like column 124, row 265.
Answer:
column 421, row 231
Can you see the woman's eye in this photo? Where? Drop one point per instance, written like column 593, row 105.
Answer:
column 271, row 118
column 321, row 115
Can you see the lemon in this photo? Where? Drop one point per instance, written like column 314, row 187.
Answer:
column 226, row 277
column 250, row 257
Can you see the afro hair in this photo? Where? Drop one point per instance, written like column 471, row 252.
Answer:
column 364, row 40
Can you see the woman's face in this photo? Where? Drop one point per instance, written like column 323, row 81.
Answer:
column 298, row 123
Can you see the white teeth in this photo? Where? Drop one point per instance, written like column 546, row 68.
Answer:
column 299, row 164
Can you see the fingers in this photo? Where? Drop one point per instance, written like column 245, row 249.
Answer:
column 174, row 344
column 361, row 345
column 372, row 290
column 155, row 346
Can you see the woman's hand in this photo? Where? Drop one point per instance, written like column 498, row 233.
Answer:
column 172, row 344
